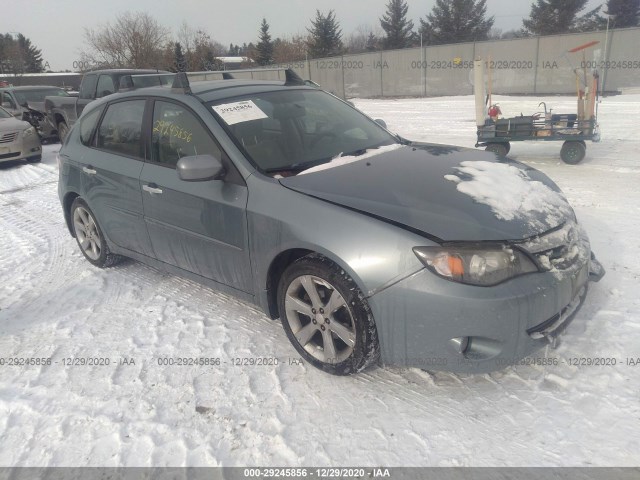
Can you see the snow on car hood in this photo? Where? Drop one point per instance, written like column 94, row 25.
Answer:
column 450, row 193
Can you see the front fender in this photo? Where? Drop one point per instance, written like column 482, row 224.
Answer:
column 374, row 253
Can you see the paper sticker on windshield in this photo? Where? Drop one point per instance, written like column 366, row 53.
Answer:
column 239, row 112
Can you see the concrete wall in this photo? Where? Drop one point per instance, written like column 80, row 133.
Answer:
column 538, row 65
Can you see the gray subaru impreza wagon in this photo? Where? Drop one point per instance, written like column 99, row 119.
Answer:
column 371, row 249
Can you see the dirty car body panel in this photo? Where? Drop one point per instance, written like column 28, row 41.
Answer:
column 367, row 216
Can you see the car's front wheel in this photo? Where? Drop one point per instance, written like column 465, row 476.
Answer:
column 63, row 131
column 90, row 237
column 326, row 316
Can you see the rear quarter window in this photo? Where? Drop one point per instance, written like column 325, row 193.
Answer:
column 88, row 126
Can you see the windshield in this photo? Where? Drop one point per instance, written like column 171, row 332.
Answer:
column 24, row 96
column 292, row 130
column 4, row 113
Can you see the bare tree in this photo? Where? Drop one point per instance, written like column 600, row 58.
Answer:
column 289, row 49
column 362, row 37
column 134, row 40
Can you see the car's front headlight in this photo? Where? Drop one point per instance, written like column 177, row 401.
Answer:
column 29, row 131
column 476, row 265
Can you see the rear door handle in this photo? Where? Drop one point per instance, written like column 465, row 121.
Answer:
column 89, row 170
column 152, row 188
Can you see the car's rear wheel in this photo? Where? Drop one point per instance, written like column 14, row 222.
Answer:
column 326, row 316
column 90, row 237
column 63, row 131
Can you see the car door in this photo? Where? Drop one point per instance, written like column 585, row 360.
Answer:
column 111, row 175
column 197, row 226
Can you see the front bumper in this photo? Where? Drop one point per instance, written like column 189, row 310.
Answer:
column 20, row 148
column 427, row 322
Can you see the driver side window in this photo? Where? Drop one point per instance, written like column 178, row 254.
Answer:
column 177, row 133
column 105, row 86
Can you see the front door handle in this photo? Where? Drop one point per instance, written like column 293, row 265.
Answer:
column 89, row 170
column 152, row 188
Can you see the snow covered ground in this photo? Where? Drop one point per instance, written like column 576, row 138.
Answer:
column 54, row 304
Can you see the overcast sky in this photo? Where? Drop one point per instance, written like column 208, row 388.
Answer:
column 57, row 26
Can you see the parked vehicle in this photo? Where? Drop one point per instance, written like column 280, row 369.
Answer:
column 369, row 247
column 27, row 103
column 18, row 139
column 63, row 112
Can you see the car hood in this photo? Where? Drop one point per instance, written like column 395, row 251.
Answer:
column 444, row 192
column 37, row 106
column 12, row 124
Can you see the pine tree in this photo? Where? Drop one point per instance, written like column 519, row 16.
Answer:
column 32, row 55
column 590, row 21
column 550, row 17
column 396, row 26
column 325, row 36
column 372, row 43
column 265, row 45
column 179, row 60
column 456, row 21
column 626, row 13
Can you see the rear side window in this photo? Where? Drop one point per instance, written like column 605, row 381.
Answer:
column 177, row 133
column 121, row 128
column 88, row 87
column 88, row 126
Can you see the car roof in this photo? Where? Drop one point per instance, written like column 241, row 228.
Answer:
column 214, row 90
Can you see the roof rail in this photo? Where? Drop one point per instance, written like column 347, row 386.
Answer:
column 181, row 84
column 291, row 77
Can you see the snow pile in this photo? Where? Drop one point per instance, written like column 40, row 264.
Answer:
column 512, row 194
column 343, row 160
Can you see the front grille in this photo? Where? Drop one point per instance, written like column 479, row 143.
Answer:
column 9, row 155
column 8, row 137
column 557, row 250
column 559, row 321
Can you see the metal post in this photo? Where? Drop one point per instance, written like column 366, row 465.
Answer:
column 424, row 70
column 535, row 66
column 607, row 53
column 381, row 79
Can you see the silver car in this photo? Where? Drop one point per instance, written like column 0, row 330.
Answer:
column 18, row 139
column 370, row 248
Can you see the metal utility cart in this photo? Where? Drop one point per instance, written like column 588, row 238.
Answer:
column 573, row 129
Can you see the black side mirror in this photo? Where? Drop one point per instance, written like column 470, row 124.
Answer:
column 199, row 168
column 381, row 122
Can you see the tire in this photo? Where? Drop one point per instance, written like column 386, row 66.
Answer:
column 36, row 159
column 342, row 342
column 572, row 152
column 89, row 236
column 498, row 148
column 63, row 131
